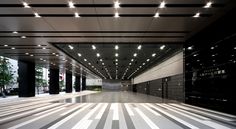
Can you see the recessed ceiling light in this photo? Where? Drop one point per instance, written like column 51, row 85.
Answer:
column 116, row 5
column 37, row 15
column 212, row 48
column 71, row 47
column 31, row 55
column 116, row 60
column 139, row 47
column 44, row 47
column 116, row 47
column 162, row 47
column 212, row 55
column 116, row 63
column 195, row 55
column 135, row 54
column 116, row 15
column 39, row 45
column 23, row 37
column 41, row 58
column 143, row 63
column 93, row 47
column 234, row 48
column 101, row 60
column 26, row 5
column 53, row 53
column 197, row 15
column 44, row 60
column 116, row 54
column 198, row 60
column 148, row 60
column 98, row 55
column 103, row 64
column 57, row 55
column 132, row 60
column 154, row 54
column 130, row 63
column 89, row 63
column 85, row 60
column 157, row 15
column 208, row 4
column 26, row 53
column 15, row 32
column 77, row 15
column 190, row 48
column 5, row 45
column 79, row 54
column 92, row 66
column 140, row 66
column 13, row 48
column 163, row 4
column 71, row 4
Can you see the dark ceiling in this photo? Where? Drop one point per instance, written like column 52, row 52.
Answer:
column 27, row 33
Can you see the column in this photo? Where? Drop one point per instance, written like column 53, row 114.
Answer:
column 83, row 83
column 54, row 81
column 26, row 72
column 68, row 82
column 77, row 83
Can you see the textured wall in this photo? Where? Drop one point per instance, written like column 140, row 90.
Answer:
column 169, row 67
column 111, row 84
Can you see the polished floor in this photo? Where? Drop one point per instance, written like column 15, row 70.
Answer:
column 107, row 110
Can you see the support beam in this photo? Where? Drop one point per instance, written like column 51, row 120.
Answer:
column 83, row 83
column 77, row 83
column 54, row 81
column 68, row 82
column 26, row 71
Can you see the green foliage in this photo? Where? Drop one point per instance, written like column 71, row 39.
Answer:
column 40, row 82
column 6, row 72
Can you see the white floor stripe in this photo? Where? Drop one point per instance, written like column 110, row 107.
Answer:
column 146, row 119
column 99, row 115
column 187, row 112
column 220, row 113
column 37, row 118
column 49, row 110
column 202, row 112
column 84, row 122
column 69, row 117
column 130, row 112
column 73, row 109
column 22, row 114
column 174, row 117
column 114, row 107
column 149, row 109
column 208, row 123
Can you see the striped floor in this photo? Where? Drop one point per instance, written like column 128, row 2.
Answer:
column 42, row 113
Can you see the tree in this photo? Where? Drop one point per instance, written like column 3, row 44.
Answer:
column 6, row 74
column 39, row 77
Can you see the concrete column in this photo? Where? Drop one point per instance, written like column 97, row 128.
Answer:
column 26, row 72
column 68, row 82
column 83, row 83
column 77, row 83
column 54, row 81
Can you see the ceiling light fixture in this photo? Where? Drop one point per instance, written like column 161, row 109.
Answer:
column 5, row 45
column 77, row 15
column 26, row 5
column 143, row 63
column 139, row 47
column 71, row 4
column 103, row 64
column 148, row 60
column 15, row 32
column 98, row 55
column 26, row 53
column 79, row 54
column 13, row 48
column 208, row 4
column 37, row 15
column 190, row 48
column 135, row 54
column 196, row 15
column 163, row 4
column 154, row 54
column 31, row 55
column 85, row 60
column 93, row 47
column 130, row 63
column 116, row 60
column 116, row 15
column 116, row 47
column 71, row 47
column 44, row 47
column 132, row 60
column 39, row 45
column 116, row 5
column 101, row 60
column 162, row 47
column 89, row 63
column 116, row 55
column 23, row 37
column 157, row 15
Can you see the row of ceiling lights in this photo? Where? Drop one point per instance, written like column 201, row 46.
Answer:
column 117, row 5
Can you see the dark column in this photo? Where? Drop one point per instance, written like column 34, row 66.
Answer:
column 68, row 82
column 77, row 83
column 54, row 81
column 26, row 72
column 83, row 83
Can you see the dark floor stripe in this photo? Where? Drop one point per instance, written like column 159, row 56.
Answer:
column 102, row 121
column 129, row 122
column 59, row 119
column 115, row 124
column 171, row 119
